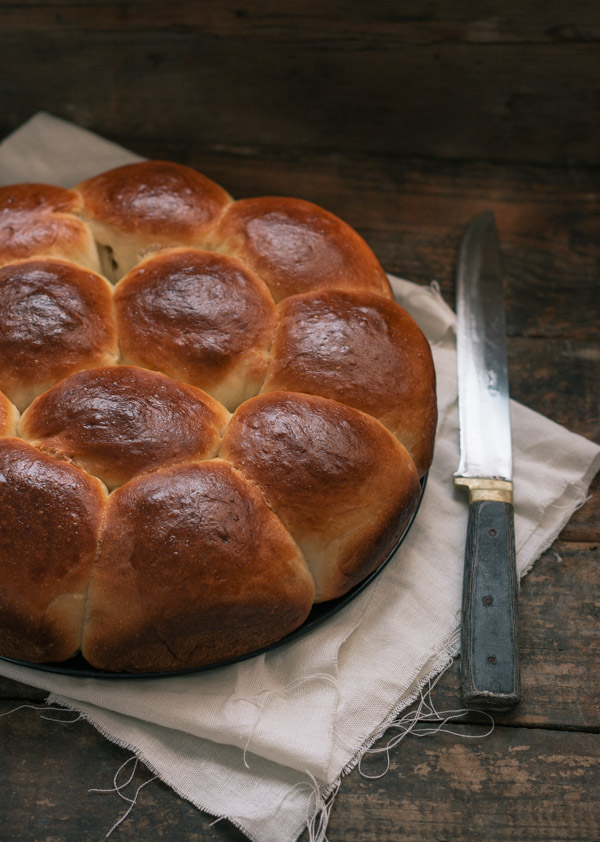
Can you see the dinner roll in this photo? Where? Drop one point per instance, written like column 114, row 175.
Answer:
column 139, row 208
column 119, row 421
column 194, row 568
column 55, row 318
column 200, row 317
column 362, row 350
column 295, row 246
column 40, row 219
column 340, row 482
column 50, row 518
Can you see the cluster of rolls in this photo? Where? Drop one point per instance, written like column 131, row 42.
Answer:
column 213, row 415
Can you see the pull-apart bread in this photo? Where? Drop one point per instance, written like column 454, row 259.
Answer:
column 213, row 415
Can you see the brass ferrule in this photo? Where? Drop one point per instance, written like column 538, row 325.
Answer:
column 482, row 488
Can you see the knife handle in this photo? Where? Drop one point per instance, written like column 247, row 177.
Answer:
column 489, row 634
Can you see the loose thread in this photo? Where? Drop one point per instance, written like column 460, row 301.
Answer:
column 45, row 708
column 318, row 806
column 217, row 820
column 317, row 822
column 415, row 723
column 279, row 692
column 118, row 787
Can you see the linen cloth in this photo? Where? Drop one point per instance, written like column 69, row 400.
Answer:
column 251, row 741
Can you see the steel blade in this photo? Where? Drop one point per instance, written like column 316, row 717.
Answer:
column 483, row 397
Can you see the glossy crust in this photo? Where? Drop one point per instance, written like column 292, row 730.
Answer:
column 296, row 246
column 200, row 317
column 142, row 207
column 364, row 351
column 194, row 569
column 119, row 421
column 40, row 219
column 341, row 483
column 55, row 318
column 50, row 518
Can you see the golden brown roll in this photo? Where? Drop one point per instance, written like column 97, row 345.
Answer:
column 364, row 351
column 9, row 415
column 40, row 219
column 295, row 246
column 194, row 569
column 55, row 318
column 138, row 208
column 200, row 317
column 119, row 421
column 50, row 518
column 341, row 483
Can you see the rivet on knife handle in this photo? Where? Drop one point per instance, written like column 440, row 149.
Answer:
column 489, row 634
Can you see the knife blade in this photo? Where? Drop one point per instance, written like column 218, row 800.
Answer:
column 489, row 630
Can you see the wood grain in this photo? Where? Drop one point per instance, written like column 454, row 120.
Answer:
column 490, row 83
column 45, row 797
column 516, row 784
column 538, row 22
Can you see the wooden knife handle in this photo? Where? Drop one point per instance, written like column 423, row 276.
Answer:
column 489, row 634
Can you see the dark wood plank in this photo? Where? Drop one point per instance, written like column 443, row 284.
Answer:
column 556, row 377
column 13, row 693
column 585, row 522
column 48, row 769
column 559, row 640
column 516, row 784
column 496, row 85
column 384, row 20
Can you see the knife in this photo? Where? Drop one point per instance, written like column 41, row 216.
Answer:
column 489, row 632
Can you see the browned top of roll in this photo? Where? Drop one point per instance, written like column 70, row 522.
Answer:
column 296, row 246
column 365, row 351
column 156, row 199
column 340, row 482
column 38, row 219
column 50, row 515
column 121, row 420
column 55, row 317
column 195, row 569
column 201, row 317
column 31, row 197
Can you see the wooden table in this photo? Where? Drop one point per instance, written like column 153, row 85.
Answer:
column 537, row 776
column 409, row 187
